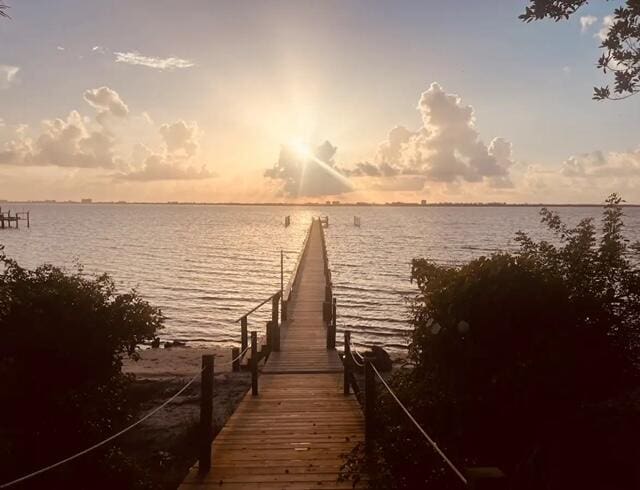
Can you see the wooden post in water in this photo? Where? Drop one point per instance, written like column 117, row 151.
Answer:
column 347, row 360
column 235, row 359
column 206, row 413
column 243, row 334
column 369, row 403
column 254, row 363
column 28, row 221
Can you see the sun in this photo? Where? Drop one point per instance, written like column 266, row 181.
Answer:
column 301, row 149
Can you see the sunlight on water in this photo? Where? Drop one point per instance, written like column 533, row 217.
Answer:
column 205, row 266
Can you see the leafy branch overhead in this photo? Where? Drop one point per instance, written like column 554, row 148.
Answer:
column 621, row 45
column 3, row 10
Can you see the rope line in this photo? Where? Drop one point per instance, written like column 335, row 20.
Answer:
column 352, row 349
column 419, row 427
column 105, row 441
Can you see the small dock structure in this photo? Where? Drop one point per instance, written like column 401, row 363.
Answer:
column 9, row 220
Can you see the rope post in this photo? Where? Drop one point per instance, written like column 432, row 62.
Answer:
column 243, row 334
column 235, row 359
column 206, row 413
column 254, row 363
column 369, row 403
column 347, row 360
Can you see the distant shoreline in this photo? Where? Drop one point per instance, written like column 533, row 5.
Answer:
column 336, row 205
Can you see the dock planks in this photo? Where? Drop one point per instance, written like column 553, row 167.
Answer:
column 295, row 433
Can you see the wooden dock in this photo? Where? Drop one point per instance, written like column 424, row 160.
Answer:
column 295, row 433
column 7, row 220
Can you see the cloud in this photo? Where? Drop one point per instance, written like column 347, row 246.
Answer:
column 181, row 137
column 586, row 22
column 106, row 101
column 156, row 167
column 135, row 58
column 64, row 143
column 309, row 175
column 598, row 165
column 8, row 75
column 99, row 50
column 176, row 160
column 60, row 48
column 607, row 22
column 446, row 149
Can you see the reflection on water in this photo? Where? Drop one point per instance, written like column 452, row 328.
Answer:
column 207, row 265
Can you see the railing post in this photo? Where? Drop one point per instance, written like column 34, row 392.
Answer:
column 369, row 403
column 243, row 334
column 270, row 336
column 206, row 413
column 235, row 359
column 347, row 360
column 254, row 363
column 334, row 324
column 274, row 308
column 283, row 305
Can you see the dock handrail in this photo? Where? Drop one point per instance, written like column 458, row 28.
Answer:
column 286, row 293
column 270, row 298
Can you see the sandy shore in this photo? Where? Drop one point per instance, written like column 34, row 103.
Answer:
column 166, row 444
column 176, row 362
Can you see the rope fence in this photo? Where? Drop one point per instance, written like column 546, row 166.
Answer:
column 147, row 416
column 367, row 363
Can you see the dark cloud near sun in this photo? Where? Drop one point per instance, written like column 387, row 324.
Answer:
column 302, row 175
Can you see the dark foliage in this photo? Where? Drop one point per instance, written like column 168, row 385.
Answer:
column 3, row 10
column 621, row 46
column 62, row 340
column 525, row 361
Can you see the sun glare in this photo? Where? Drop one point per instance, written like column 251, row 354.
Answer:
column 301, row 149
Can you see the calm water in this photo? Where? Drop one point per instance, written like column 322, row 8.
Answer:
column 207, row 265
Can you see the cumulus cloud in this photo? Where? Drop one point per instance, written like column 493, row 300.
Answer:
column 135, row 58
column 8, row 75
column 64, row 143
column 176, row 160
column 586, row 22
column 106, row 101
column 311, row 175
column 446, row 149
column 79, row 142
column 181, row 137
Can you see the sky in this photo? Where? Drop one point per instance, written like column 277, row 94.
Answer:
column 273, row 101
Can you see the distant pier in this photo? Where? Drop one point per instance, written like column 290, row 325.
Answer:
column 9, row 220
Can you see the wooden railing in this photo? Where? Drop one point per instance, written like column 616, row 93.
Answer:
column 279, row 301
column 329, row 304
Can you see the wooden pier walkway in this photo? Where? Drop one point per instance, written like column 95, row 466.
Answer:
column 295, row 432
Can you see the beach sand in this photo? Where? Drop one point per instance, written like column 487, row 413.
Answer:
column 166, row 443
